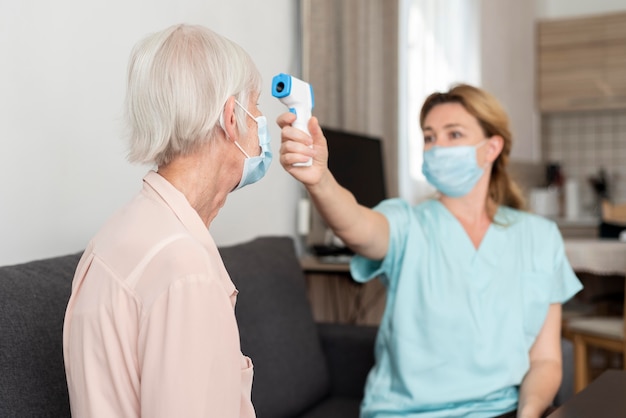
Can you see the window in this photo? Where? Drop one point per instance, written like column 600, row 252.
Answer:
column 439, row 46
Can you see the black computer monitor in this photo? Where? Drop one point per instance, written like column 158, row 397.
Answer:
column 356, row 161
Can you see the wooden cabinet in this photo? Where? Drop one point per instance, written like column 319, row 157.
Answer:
column 335, row 297
column 582, row 63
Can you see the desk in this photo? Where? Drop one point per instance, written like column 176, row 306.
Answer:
column 311, row 264
column 336, row 297
column 605, row 397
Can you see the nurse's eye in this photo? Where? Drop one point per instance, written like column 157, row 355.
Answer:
column 455, row 135
column 429, row 139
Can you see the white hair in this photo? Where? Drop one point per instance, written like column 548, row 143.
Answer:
column 179, row 80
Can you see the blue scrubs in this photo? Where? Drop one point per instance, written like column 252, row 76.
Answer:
column 459, row 321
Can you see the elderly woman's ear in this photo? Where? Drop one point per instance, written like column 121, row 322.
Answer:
column 230, row 120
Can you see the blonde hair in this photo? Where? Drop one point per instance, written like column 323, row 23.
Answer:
column 179, row 80
column 493, row 121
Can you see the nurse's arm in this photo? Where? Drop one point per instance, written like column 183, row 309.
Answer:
column 365, row 231
column 543, row 378
column 362, row 229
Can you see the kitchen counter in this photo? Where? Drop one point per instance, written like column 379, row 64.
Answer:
column 584, row 227
column 583, row 221
column 596, row 256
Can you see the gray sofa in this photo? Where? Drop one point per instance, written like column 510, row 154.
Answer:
column 302, row 369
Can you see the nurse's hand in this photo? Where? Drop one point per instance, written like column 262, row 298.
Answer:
column 296, row 147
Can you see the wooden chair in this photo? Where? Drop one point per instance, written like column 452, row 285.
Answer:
column 596, row 331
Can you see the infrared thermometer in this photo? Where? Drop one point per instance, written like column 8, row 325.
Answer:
column 297, row 95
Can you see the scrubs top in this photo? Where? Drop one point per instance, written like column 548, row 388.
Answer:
column 459, row 322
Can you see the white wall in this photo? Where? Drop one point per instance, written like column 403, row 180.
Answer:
column 62, row 72
column 62, row 68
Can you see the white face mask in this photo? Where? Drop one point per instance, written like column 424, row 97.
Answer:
column 254, row 168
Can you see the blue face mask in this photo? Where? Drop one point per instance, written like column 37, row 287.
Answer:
column 254, row 168
column 452, row 170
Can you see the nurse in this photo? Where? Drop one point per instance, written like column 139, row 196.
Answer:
column 474, row 284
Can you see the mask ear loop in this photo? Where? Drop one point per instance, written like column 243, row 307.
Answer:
column 253, row 118
column 221, row 118
column 241, row 149
column 245, row 110
column 221, row 122
column 483, row 142
column 222, row 126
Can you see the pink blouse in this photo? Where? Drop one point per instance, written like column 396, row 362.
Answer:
column 150, row 329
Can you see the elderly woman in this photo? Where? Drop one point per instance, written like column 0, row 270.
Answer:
column 150, row 328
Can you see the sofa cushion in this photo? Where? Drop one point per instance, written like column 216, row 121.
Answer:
column 33, row 297
column 336, row 407
column 277, row 327
column 349, row 353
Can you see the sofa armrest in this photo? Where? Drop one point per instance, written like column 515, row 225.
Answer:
column 349, row 351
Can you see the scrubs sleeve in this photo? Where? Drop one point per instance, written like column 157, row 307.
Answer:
column 398, row 214
column 551, row 281
column 565, row 284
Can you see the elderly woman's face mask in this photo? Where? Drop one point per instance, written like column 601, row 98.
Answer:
column 254, row 168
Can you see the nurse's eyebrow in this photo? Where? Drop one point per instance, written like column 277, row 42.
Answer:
column 447, row 126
